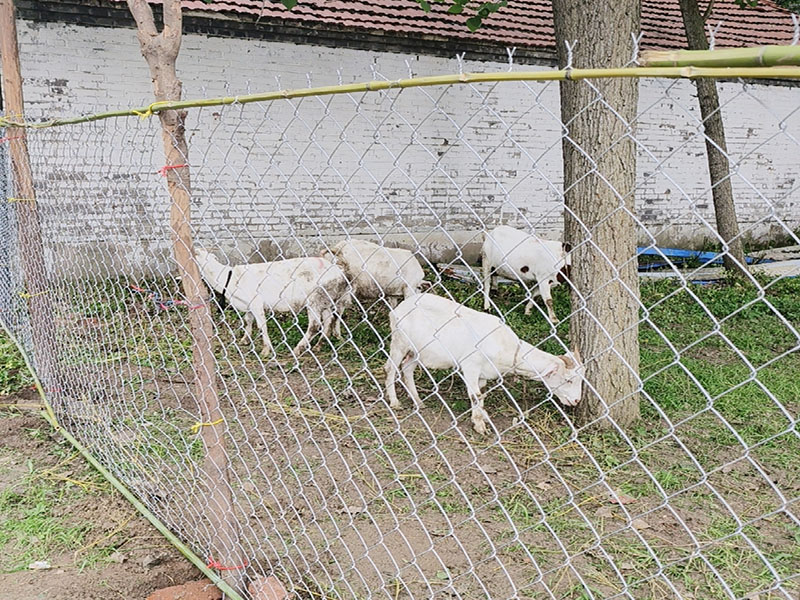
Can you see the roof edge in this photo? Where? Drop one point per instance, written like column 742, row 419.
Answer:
column 110, row 14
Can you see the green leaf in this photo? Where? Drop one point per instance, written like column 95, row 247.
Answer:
column 456, row 9
column 474, row 23
column 290, row 4
column 426, row 6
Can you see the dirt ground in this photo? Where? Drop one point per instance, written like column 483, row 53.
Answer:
column 340, row 497
column 55, row 508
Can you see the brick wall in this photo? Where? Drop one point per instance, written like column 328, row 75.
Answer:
column 432, row 162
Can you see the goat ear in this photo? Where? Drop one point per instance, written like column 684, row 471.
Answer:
column 568, row 362
column 567, row 247
column 576, row 355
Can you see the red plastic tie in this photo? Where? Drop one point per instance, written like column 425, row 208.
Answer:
column 212, row 564
column 11, row 137
column 48, row 390
column 163, row 170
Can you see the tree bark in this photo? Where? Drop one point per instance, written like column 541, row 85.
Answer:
column 160, row 50
column 716, row 149
column 599, row 185
column 29, row 229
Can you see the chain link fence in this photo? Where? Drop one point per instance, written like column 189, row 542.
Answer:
column 338, row 495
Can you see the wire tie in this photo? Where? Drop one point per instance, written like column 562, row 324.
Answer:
column 22, row 199
column 11, row 137
column 212, row 564
column 7, row 121
column 196, row 428
column 27, row 295
column 163, row 170
column 147, row 113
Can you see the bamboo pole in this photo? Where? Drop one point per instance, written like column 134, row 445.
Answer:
column 731, row 58
column 29, row 230
column 671, row 72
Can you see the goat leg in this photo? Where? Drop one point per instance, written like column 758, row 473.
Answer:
column 479, row 416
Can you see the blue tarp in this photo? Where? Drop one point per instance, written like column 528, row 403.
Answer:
column 678, row 256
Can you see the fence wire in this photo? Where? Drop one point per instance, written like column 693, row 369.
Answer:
column 338, row 495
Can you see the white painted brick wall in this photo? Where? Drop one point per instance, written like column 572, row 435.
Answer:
column 419, row 160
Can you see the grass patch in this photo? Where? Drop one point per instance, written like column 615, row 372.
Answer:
column 36, row 522
column 30, row 526
column 14, row 374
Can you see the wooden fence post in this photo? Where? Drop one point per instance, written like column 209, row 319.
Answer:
column 29, row 230
column 160, row 50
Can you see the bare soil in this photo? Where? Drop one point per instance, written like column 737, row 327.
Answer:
column 29, row 447
column 340, row 497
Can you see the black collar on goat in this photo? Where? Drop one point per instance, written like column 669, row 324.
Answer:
column 223, row 301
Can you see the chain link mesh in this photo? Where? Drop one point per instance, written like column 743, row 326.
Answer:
column 341, row 497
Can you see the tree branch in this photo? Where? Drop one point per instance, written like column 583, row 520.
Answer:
column 173, row 23
column 143, row 15
column 708, row 10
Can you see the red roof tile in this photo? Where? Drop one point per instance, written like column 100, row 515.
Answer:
column 523, row 23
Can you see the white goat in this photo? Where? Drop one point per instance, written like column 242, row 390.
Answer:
column 441, row 334
column 288, row 285
column 376, row 271
column 522, row 256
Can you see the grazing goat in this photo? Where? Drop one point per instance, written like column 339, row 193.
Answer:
column 376, row 271
column 441, row 334
column 280, row 286
column 528, row 259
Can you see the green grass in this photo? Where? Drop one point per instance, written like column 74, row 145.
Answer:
column 732, row 373
column 720, row 362
column 30, row 526
column 36, row 520
column 14, row 375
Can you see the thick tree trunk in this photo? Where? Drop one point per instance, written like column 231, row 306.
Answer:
column 721, row 188
column 161, row 51
column 599, row 181
column 29, row 230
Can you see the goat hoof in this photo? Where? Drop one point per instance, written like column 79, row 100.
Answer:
column 480, row 427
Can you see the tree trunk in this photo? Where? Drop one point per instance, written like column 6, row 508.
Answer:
column 160, row 50
column 717, row 151
column 29, row 230
column 599, row 183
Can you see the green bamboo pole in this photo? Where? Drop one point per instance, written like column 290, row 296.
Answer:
column 734, row 58
column 672, row 72
column 50, row 417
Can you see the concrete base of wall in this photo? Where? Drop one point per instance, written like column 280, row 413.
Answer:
column 154, row 258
